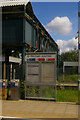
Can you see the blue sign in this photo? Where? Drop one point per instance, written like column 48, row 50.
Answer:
column 14, row 85
column 0, row 85
column 3, row 85
column 79, row 46
column 31, row 59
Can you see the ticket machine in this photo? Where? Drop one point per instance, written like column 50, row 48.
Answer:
column 0, row 89
column 4, row 88
column 15, row 88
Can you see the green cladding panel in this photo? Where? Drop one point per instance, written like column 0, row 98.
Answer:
column 34, row 38
column 28, row 32
column 12, row 31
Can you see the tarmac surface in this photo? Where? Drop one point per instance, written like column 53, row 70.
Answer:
column 39, row 109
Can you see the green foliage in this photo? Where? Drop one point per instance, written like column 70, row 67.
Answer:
column 68, row 78
column 22, row 90
column 40, row 91
column 68, row 56
column 47, row 92
column 15, row 54
column 67, row 95
column 33, row 91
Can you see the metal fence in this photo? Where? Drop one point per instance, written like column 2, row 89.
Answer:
column 69, row 76
column 40, row 80
column 67, row 85
column 11, row 71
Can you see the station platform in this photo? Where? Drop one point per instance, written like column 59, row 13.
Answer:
column 39, row 109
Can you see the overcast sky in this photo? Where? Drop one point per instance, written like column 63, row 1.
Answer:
column 60, row 20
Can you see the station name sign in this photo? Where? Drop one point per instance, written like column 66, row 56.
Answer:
column 40, row 57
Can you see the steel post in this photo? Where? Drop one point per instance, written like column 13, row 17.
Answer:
column 7, row 70
column 79, row 56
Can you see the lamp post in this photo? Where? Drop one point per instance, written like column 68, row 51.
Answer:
column 79, row 58
column 78, row 63
column 79, row 75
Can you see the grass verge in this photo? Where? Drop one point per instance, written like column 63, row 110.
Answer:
column 68, row 78
column 67, row 95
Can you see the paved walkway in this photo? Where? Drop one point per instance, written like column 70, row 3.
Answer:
column 39, row 109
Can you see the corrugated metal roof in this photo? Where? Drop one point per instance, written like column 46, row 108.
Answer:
column 13, row 2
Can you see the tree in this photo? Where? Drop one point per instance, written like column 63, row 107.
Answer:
column 68, row 56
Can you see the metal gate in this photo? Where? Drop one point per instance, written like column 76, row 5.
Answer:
column 41, row 76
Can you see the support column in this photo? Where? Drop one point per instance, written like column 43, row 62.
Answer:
column 7, row 53
column 11, row 71
column 4, row 71
column 39, row 39
column 63, row 73
column 23, row 63
column 32, row 35
column 57, row 65
column 43, row 44
column 23, row 47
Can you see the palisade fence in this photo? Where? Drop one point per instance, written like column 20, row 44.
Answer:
column 67, row 89
column 69, row 76
column 44, row 90
column 12, row 72
column 40, row 80
column 70, row 79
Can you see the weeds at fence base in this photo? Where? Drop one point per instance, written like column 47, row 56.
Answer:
column 63, row 94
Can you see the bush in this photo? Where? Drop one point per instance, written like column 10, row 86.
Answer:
column 22, row 90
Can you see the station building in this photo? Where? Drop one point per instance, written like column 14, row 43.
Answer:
column 22, row 31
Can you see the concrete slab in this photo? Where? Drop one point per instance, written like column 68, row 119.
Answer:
column 39, row 109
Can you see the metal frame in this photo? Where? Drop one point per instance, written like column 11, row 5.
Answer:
column 68, row 64
column 42, row 83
